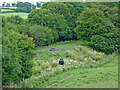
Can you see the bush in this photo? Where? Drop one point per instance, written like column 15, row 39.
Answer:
column 10, row 60
column 16, row 56
column 46, row 18
column 42, row 35
column 57, row 7
column 15, row 19
column 107, row 43
column 93, row 26
column 65, row 34
column 111, row 13
column 53, row 21
column 92, row 22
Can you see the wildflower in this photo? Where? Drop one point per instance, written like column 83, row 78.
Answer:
column 85, row 59
column 54, row 61
column 70, row 60
column 80, row 62
column 75, row 61
column 75, row 66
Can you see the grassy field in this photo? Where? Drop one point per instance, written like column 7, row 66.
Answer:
column 83, row 68
column 7, row 10
column 101, row 77
column 23, row 15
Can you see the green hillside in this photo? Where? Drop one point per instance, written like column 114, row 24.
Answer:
column 75, row 73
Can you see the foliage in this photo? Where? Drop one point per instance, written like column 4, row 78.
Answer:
column 65, row 34
column 14, row 19
column 109, row 4
column 41, row 35
column 13, row 4
column 7, row 5
column 3, row 21
column 21, row 9
column 3, row 4
column 46, row 18
column 54, row 21
column 67, row 10
column 14, row 23
column 107, row 42
column 24, row 7
column 39, row 4
column 95, row 22
column 91, row 22
column 111, row 13
column 57, row 7
column 10, row 59
column 16, row 56
column 93, row 25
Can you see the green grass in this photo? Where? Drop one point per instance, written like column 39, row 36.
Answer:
column 92, row 78
column 101, row 77
column 46, row 71
column 23, row 15
column 7, row 10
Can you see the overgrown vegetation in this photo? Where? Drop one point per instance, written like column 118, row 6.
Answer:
column 89, row 22
column 46, row 65
column 16, row 56
column 93, row 26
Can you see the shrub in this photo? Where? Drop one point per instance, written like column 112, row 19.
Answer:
column 111, row 13
column 57, row 7
column 42, row 35
column 15, row 23
column 107, row 43
column 65, row 34
column 92, row 22
column 93, row 26
column 15, row 19
column 54, row 21
column 16, row 56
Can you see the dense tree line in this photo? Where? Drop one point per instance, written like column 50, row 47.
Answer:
column 21, row 6
column 95, row 22
column 85, row 21
column 24, row 7
column 17, row 52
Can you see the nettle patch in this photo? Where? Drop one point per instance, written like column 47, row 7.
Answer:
column 47, row 65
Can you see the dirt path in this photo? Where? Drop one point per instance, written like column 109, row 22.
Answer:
column 61, row 80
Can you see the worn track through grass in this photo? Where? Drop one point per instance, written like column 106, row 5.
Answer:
column 61, row 80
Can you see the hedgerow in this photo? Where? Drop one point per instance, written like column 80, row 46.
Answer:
column 16, row 57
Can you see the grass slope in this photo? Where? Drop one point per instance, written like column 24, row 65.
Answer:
column 23, row 15
column 83, row 68
column 102, row 77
